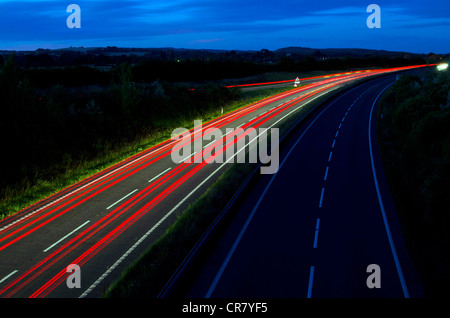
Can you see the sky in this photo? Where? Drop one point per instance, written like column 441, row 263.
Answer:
column 406, row 25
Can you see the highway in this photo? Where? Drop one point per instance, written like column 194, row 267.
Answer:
column 316, row 228
column 103, row 223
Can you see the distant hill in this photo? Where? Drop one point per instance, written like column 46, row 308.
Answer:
column 346, row 52
column 304, row 51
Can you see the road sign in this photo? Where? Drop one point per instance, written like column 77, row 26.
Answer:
column 297, row 82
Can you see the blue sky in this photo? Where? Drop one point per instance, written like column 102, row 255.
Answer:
column 413, row 26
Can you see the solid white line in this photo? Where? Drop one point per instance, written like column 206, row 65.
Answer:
column 321, row 197
column 50, row 247
column 8, row 276
column 159, row 175
column 380, row 201
column 121, row 199
column 310, row 284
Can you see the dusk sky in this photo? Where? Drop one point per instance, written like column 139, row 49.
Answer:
column 412, row 26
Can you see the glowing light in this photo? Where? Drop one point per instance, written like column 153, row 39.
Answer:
column 442, row 67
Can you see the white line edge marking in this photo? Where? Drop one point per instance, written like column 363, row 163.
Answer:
column 8, row 276
column 310, row 283
column 380, row 201
column 159, row 175
column 121, row 199
column 62, row 239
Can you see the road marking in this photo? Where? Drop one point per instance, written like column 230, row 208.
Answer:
column 159, row 175
column 316, row 235
column 326, row 174
column 380, row 201
column 121, row 199
column 321, row 197
column 188, row 157
column 337, row 133
column 50, row 247
column 209, row 144
column 310, row 284
column 329, row 157
column 340, row 125
column 8, row 276
column 334, row 142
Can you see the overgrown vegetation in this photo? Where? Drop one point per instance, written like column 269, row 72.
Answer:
column 415, row 134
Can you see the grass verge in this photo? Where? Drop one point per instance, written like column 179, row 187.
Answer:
column 16, row 197
column 414, row 139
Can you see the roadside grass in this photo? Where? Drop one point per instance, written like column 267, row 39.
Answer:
column 17, row 197
column 414, row 138
column 147, row 276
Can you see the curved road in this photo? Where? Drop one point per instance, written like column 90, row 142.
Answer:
column 320, row 225
column 105, row 222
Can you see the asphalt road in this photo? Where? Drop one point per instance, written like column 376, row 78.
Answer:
column 316, row 228
column 103, row 223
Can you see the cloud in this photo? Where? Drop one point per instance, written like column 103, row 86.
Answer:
column 239, row 24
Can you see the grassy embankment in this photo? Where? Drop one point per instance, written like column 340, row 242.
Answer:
column 60, row 175
column 415, row 143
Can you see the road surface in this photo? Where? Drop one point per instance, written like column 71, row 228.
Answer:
column 319, row 227
column 103, row 223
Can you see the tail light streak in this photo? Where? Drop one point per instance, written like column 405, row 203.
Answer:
column 59, row 253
